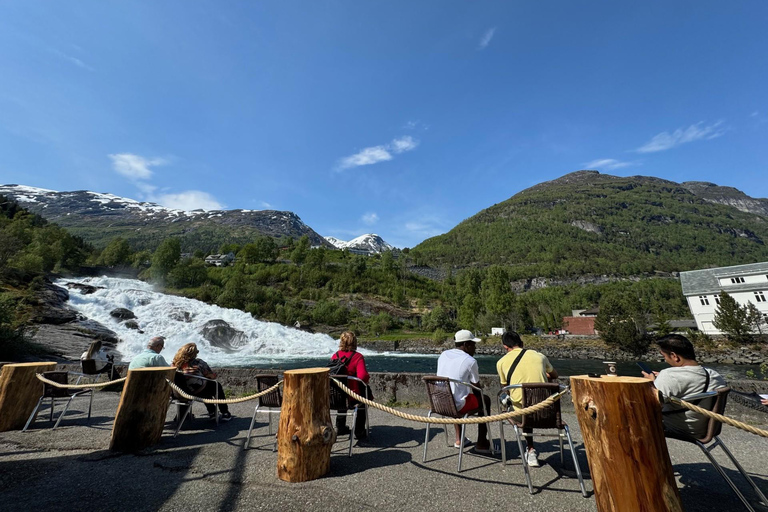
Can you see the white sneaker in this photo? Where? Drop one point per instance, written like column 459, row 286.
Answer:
column 532, row 458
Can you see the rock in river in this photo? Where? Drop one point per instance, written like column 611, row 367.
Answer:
column 222, row 335
column 122, row 314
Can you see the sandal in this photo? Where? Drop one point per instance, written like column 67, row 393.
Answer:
column 467, row 442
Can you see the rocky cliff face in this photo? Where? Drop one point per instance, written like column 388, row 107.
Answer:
column 99, row 218
column 729, row 196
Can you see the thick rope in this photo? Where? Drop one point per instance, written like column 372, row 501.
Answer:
column 474, row 419
column 78, row 386
column 723, row 419
column 183, row 394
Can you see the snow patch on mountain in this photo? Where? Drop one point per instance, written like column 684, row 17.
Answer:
column 369, row 243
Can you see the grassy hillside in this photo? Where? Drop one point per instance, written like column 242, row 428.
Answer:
column 590, row 223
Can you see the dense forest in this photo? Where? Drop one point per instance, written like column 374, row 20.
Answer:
column 589, row 223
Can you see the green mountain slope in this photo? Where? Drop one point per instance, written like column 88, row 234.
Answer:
column 591, row 223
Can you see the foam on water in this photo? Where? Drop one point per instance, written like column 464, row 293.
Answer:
column 155, row 312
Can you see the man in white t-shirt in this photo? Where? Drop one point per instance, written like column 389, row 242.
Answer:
column 458, row 364
column 685, row 377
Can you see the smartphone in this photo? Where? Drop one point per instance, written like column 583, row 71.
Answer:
column 644, row 367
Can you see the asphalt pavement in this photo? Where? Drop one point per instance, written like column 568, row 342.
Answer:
column 205, row 468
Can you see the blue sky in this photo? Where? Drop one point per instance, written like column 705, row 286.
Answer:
column 398, row 118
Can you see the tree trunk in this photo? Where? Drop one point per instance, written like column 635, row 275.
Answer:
column 305, row 436
column 620, row 420
column 19, row 392
column 141, row 413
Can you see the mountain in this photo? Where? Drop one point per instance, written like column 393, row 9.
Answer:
column 98, row 218
column 591, row 223
column 368, row 244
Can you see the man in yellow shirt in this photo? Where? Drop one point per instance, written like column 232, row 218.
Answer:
column 520, row 366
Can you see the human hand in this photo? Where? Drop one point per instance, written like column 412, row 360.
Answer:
column 650, row 376
column 764, row 401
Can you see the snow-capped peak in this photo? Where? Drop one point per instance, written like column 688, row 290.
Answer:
column 369, row 243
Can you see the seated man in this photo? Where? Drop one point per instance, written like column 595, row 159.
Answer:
column 520, row 366
column 458, row 363
column 151, row 356
column 686, row 377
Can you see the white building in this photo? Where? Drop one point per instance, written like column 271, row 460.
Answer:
column 745, row 283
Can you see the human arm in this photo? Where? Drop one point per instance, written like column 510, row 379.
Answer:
column 361, row 372
column 474, row 374
column 549, row 370
column 205, row 370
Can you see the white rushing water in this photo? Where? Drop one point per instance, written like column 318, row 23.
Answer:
column 159, row 314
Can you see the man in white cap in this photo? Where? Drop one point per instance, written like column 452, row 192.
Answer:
column 458, row 364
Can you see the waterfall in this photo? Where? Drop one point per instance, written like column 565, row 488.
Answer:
column 180, row 320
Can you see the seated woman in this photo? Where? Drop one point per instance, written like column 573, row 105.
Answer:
column 186, row 361
column 96, row 353
column 355, row 368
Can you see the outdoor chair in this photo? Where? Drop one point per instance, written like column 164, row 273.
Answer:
column 184, row 406
column 711, row 441
column 548, row 418
column 342, row 405
column 441, row 403
column 89, row 371
column 268, row 404
column 59, row 394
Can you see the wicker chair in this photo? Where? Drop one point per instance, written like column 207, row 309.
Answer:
column 711, row 441
column 60, row 394
column 342, row 405
column 441, row 403
column 548, row 418
column 268, row 404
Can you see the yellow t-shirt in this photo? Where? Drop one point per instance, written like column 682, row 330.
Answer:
column 533, row 367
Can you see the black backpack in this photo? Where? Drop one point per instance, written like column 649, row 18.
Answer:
column 338, row 366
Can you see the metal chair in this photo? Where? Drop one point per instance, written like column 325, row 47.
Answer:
column 441, row 403
column 184, row 406
column 342, row 405
column 711, row 441
column 55, row 393
column 270, row 404
column 548, row 418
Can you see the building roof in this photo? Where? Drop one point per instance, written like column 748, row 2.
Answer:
column 700, row 282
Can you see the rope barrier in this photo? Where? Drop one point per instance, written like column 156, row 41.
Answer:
column 723, row 419
column 187, row 396
column 475, row 419
column 78, row 386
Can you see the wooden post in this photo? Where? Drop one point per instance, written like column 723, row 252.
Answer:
column 620, row 420
column 305, row 436
column 19, row 392
column 141, row 413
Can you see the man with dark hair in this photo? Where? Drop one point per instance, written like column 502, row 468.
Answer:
column 685, row 377
column 458, row 364
column 520, row 366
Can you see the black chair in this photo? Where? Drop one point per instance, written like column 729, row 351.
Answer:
column 549, row 418
column 711, row 441
column 59, row 394
column 184, row 406
column 268, row 404
column 342, row 405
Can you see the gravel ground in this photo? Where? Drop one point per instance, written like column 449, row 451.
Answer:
column 205, row 468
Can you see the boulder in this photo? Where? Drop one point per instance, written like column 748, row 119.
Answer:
column 122, row 314
column 50, row 305
column 222, row 335
column 181, row 316
column 85, row 289
column 132, row 324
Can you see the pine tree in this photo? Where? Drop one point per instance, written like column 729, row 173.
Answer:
column 731, row 318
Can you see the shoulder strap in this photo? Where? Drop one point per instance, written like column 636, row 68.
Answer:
column 514, row 365
column 694, row 402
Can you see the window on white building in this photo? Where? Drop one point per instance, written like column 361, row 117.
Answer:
column 717, row 300
column 705, row 301
column 759, row 297
column 737, row 280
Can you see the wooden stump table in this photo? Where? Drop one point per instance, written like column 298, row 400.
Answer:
column 620, row 420
column 19, row 392
column 305, row 436
column 141, row 413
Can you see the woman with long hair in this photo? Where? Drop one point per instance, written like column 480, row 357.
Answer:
column 356, row 368
column 187, row 362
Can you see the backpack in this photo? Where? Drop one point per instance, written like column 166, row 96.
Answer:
column 338, row 366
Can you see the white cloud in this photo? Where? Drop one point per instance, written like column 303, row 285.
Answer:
column 188, row 200
column 265, row 205
column 134, row 166
column 74, row 60
column 403, row 144
column 698, row 131
column 486, row 39
column 370, row 218
column 375, row 154
column 607, row 164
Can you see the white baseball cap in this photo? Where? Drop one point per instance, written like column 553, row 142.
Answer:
column 465, row 335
